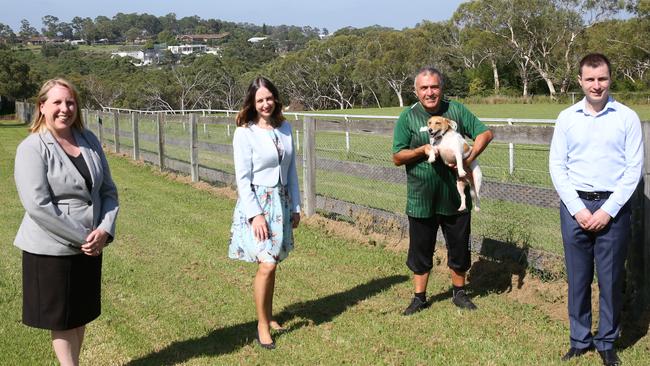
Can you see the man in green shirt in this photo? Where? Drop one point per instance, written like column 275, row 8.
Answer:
column 432, row 197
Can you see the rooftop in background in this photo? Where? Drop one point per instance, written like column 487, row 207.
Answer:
column 191, row 38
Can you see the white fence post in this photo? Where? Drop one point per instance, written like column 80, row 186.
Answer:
column 160, row 122
column 116, row 131
column 194, row 148
column 347, row 135
column 309, row 166
column 136, row 136
column 297, row 140
column 511, row 153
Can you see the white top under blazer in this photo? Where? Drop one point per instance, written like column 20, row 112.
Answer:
column 257, row 163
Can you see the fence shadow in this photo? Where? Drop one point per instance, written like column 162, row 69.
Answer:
column 226, row 340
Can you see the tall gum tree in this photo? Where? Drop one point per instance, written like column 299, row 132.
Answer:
column 539, row 33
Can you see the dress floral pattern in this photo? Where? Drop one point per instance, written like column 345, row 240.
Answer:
column 275, row 203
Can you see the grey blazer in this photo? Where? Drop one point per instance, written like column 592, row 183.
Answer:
column 59, row 210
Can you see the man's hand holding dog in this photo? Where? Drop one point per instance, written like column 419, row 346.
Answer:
column 426, row 149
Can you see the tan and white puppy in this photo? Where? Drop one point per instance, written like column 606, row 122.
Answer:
column 452, row 148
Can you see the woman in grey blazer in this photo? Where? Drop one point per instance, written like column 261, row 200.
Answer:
column 70, row 202
column 268, row 205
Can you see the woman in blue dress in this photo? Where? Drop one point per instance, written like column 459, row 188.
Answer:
column 268, row 205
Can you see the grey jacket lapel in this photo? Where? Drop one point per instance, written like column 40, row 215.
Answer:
column 59, row 154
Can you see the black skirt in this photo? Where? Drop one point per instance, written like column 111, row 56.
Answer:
column 61, row 292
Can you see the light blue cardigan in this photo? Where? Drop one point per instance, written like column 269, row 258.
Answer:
column 256, row 162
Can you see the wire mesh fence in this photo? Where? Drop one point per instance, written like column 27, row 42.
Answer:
column 354, row 164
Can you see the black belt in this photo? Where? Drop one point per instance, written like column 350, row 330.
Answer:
column 594, row 196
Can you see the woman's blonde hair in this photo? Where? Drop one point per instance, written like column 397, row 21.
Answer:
column 38, row 123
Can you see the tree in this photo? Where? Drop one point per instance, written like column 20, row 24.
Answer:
column 541, row 34
column 626, row 44
column 51, row 26
column 392, row 60
column 26, row 30
column 167, row 37
column 65, row 30
column 7, row 35
column 103, row 93
column 105, row 28
column 15, row 80
column 132, row 34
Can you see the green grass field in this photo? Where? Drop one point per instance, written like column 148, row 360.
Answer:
column 170, row 295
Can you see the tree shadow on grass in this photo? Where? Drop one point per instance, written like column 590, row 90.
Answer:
column 226, row 340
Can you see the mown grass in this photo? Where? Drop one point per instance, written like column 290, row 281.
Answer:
column 170, row 295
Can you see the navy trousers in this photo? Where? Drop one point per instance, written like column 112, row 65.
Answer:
column 608, row 250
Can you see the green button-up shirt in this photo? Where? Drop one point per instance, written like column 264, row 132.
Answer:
column 431, row 188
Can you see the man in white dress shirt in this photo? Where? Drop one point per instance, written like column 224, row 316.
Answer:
column 595, row 163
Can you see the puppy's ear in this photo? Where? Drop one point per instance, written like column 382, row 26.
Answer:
column 453, row 124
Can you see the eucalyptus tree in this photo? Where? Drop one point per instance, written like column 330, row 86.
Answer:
column 297, row 77
column 542, row 34
column 228, row 81
column 628, row 47
column 26, row 29
column 389, row 56
column 7, row 35
column 50, row 26
column 336, row 58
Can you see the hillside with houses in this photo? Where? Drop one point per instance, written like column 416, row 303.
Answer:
column 143, row 61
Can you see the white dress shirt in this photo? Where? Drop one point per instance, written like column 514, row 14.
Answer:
column 595, row 153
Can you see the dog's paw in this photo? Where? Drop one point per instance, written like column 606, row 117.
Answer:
column 432, row 158
column 462, row 208
column 477, row 209
column 462, row 173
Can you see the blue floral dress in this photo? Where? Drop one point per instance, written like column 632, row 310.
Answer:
column 275, row 203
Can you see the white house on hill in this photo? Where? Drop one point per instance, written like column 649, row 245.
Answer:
column 145, row 57
column 187, row 49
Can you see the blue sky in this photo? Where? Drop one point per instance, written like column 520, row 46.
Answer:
column 330, row 14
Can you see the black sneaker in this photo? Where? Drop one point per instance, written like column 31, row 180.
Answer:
column 416, row 305
column 461, row 300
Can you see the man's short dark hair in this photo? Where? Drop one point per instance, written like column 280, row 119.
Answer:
column 594, row 60
column 426, row 70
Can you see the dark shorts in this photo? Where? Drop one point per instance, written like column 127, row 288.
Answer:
column 422, row 242
column 61, row 292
